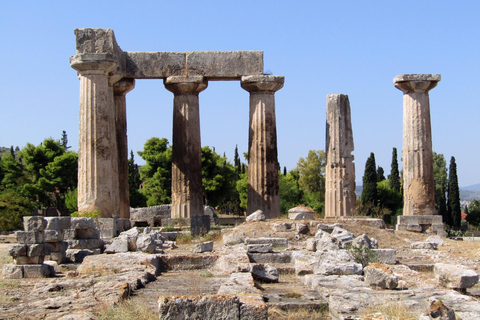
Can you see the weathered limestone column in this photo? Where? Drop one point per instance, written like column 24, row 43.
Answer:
column 340, row 169
column 97, row 147
column 187, row 198
column 263, row 168
column 418, row 186
column 120, row 89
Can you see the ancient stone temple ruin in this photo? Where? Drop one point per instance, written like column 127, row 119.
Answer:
column 419, row 212
column 107, row 74
column 340, row 169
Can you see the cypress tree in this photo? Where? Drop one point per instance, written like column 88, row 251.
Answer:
column 284, row 171
column 236, row 161
column 64, row 141
column 453, row 205
column 394, row 177
column 369, row 192
column 380, row 174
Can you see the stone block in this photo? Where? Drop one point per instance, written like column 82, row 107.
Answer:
column 312, row 244
column 203, row 247
column 82, row 223
column 455, row 277
column 275, row 242
column 24, row 260
column 260, row 248
column 380, row 276
column 87, row 234
column 77, row 255
column 34, row 223
column 37, row 271
column 423, row 245
column 225, row 307
column 239, row 282
column 386, row 256
column 58, row 223
column 301, row 213
column 29, row 237
column 60, row 246
column 338, row 268
column 17, row 250
column 227, row 65
column 119, row 244
column 53, row 235
column 144, row 65
column 147, row 243
column 59, row 257
column 111, row 227
column 12, row 271
column 272, row 257
column 35, row 250
column 69, row 234
column 199, row 224
column 85, row 244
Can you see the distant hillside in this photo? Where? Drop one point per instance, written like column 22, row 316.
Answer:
column 473, row 187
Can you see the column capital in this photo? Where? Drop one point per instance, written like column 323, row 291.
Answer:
column 185, row 85
column 94, row 63
column 262, row 83
column 122, row 87
column 416, row 82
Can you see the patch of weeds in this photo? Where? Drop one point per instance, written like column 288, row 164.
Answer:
column 275, row 313
column 212, row 236
column 5, row 258
column 184, row 238
column 127, row 310
column 168, row 228
column 9, row 284
column 95, row 214
column 205, row 274
column 364, row 256
column 393, row 310
column 292, row 295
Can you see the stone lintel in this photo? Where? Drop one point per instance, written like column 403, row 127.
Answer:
column 262, row 83
column 416, row 82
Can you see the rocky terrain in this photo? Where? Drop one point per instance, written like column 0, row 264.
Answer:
column 275, row 268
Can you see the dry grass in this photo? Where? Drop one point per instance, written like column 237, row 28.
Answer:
column 395, row 310
column 299, row 314
column 127, row 310
column 5, row 258
column 292, row 294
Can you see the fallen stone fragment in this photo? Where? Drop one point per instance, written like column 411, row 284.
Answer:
column 119, row 244
column 301, row 213
column 386, row 256
column 260, row 248
column 203, row 247
column 312, row 244
column 455, row 277
column 436, row 239
column 439, row 311
column 302, row 228
column 77, row 255
column 344, row 237
column 363, row 241
column 146, row 243
column 230, row 239
column 380, row 276
column 256, row 216
column 423, row 245
column 264, row 272
column 283, row 227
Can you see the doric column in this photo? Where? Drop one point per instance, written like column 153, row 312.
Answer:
column 418, row 186
column 120, row 89
column 187, row 198
column 97, row 147
column 263, row 168
column 340, row 169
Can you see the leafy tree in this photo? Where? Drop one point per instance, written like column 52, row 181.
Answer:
column 13, row 206
column 440, row 178
column 389, row 199
column 453, row 204
column 394, row 177
column 12, row 172
column 473, row 213
column 290, row 193
column 71, row 200
column 369, row 192
column 311, row 179
column 380, row 174
column 218, row 178
column 242, row 189
column 157, row 172
column 35, row 158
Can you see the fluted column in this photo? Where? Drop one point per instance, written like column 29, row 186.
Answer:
column 418, row 185
column 97, row 148
column 263, row 190
column 340, row 169
column 187, row 198
column 120, row 89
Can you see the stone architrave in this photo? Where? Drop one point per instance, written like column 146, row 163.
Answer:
column 263, row 189
column 120, row 89
column 97, row 147
column 418, row 186
column 340, row 169
column 187, row 198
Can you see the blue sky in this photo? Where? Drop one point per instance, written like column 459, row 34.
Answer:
column 321, row 47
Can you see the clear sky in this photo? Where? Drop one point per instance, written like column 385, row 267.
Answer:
column 321, row 47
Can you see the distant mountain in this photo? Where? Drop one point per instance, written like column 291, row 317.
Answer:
column 473, row 187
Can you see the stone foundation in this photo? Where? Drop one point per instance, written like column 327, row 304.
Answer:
column 425, row 223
